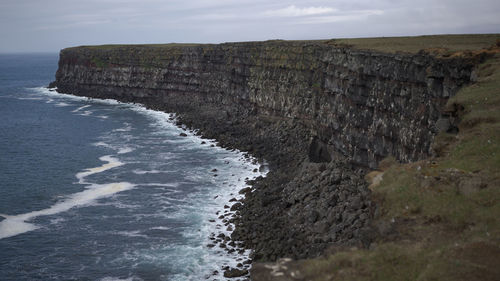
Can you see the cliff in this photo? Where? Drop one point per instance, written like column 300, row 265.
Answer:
column 320, row 112
column 364, row 104
column 436, row 219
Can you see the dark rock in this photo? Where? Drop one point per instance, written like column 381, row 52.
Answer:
column 234, row 272
column 313, row 216
column 245, row 190
column 236, row 207
column 183, row 134
column 318, row 151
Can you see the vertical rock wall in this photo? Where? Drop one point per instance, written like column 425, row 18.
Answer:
column 363, row 104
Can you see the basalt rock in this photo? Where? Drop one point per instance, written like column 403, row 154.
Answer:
column 318, row 113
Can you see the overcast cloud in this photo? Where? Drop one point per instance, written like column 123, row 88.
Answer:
column 48, row 26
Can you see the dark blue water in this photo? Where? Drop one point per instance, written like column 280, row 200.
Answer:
column 100, row 190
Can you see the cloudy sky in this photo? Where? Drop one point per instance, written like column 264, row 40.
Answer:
column 49, row 25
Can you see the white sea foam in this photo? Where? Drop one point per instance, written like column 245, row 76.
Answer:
column 173, row 185
column 111, row 163
column 135, row 233
column 103, row 144
column 62, row 104
column 81, row 107
column 124, row 150
column 126, row 128
column 160, row 228
column 199, row 260
column 142, row 172
column 119, row 149
column 23, row 98
column 17, row 224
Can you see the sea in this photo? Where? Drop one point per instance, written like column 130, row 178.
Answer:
column 102, row 190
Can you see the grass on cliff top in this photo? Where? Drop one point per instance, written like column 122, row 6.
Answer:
column 411, row 44
column 449, row 43
column 110, row 47
column 438, row 218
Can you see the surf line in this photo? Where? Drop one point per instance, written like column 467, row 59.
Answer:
column 81, row 107
column 111, row 163
column 16, row 224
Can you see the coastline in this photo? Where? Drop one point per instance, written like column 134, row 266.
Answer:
column 339, row 181
column 321, row 113
column 222, row 221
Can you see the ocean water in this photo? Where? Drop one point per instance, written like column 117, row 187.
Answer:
column 102, row 190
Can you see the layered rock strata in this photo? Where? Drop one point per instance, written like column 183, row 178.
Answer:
column 318, row 113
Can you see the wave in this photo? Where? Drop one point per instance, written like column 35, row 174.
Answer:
column 22, row 98
column 111, row 163
column 15, row 225
column 54, row 94
column 201, row 206
column 125, row 150
column 127, row 128
column 86, row 113
column 81, row 107
column 142, row 172
column 62, row 104
column 135, row 233
column 160, row 228
column 119, row 149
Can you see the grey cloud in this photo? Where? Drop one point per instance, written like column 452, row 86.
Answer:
column 33, row 25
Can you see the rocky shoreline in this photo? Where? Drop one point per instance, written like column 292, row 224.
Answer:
column 319, row 114
column 327, row 191
column 301, row 208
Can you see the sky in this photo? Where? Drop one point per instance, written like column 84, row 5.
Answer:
column 50, row 25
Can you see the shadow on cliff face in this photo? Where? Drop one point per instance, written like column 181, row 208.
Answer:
column 318, row 151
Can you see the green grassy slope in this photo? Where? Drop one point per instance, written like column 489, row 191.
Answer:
column 449, row 43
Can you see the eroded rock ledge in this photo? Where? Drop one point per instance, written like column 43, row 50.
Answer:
column 318, row 113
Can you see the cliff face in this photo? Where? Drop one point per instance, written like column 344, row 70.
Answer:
column 303, row 106
column 363, row 104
